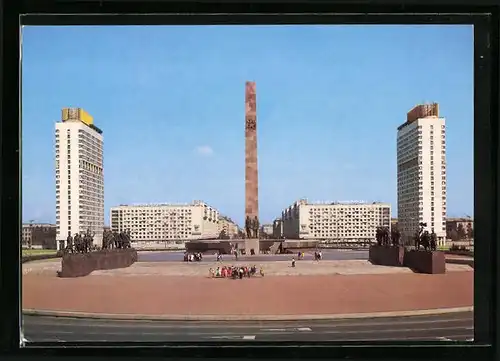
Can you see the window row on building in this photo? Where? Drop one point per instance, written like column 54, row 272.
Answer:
column 160, row 222
column 343, row 222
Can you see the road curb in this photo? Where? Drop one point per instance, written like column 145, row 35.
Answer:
column 136, row 317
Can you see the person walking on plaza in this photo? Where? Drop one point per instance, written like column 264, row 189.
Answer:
column 293, row 262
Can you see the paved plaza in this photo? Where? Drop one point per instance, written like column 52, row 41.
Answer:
column 178, row 288
column 327, row 255
column 271, row 268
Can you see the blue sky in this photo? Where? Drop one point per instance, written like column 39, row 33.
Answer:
column 170, row 101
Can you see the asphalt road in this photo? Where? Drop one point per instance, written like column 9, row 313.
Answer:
column 329, row 255
column 445, row 327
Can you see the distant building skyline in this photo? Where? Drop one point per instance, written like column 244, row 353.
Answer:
column 173, row 119
column 38, row 235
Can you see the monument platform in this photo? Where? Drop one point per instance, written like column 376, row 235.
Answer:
column 252, row 246
column 292, row 246
column 259, row 245
column 223, row 246
column 82, row 264
column 210, row 246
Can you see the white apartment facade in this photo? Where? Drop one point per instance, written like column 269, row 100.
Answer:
column 421, row 169
column 229, row 227
column 166, row 222
column 267, row 229
column 342, row 222
column 79, row 176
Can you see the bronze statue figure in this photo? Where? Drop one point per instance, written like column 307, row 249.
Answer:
column 86, row 242
column 419, row 240
column 119, row 240
column 378, row 236
column 382, row 236
column 127, row 242
column 248, row 227
column 255, row 227
column 425, row 240
column 107, row 240
column 433, row 241
column 395, row 237
column 78, row 243
column 69, row 244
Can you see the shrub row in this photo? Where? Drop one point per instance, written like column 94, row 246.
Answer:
column 39, row 257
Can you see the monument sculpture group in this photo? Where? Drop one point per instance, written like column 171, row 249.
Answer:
column 423, row 258
column 116, row 240
column 81, row 257
column 252, row 227
column 425, row 239
column 79, row 244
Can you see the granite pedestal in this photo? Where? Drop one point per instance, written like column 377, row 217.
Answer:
column 431, row 262
column 252, row 244
column 82, row 264
column 386, row 255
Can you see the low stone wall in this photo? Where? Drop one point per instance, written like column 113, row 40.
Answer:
column 223, row 247
column 386, row 255
column 466, row 261
column 82, row 264
column 302, row 245
column 431, row 262
column 461, row 253
column 165, row 246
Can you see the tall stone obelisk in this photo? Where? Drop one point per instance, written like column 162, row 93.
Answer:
column 251, row 169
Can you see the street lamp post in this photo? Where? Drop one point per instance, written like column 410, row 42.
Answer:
column 165, row 225
column 30, row 238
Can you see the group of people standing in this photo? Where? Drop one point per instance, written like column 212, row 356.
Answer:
column 234, row 272
column 193, row 257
